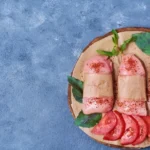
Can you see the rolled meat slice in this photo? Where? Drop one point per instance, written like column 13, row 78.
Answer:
column 98, row 87
column 131, row 87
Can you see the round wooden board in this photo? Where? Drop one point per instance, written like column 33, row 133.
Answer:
column 70, row 99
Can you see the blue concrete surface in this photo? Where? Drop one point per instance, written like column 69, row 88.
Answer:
column 40, row 41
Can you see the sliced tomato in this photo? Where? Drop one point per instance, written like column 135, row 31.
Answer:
column 106, row 124
column 147, row 120
column 142, row 130
column 131, row 130
column 118, row 131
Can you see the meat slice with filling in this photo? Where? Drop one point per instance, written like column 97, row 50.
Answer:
column 131, row 87
column 98, row 87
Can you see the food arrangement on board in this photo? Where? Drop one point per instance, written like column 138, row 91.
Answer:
column 109, row 92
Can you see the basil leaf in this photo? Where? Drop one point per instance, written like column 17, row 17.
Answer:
column 78, row 95
column 142, row 40
column 105, row 53
column 87, row 120
column 125, row 43
column 116, row 37
column 75, row 83
column 77, row 89
column 115, row 52
column 114, row 40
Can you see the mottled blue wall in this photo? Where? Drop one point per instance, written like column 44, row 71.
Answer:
column 40, row 41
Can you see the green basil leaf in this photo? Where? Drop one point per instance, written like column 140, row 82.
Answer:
column 75, row 83
column 77, row 89
column 115, row 52
column 78, row 95
column 125, row 43
column 105, row 53
column 142, row 40
column 116, row 37
column 114, row 40
column 87, row 121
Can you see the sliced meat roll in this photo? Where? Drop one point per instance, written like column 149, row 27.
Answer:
column 131, row 87
column 98, row 87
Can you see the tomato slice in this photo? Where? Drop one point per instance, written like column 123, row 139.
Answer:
column 106, row 124
column 147, row 120
column 131, row 130
column 118, row 131
column 142, row 130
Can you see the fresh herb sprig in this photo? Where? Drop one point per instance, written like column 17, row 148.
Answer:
column 126, row 42
column 116, row 49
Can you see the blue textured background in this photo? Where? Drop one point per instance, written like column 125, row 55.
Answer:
column 40, row 41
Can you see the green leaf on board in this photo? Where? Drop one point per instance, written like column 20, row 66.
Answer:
column 126, row 43
column 77, row 88
column 105, row 53
column 78, row 95
column 142, row 40
column 115, row 37
column 87, row 121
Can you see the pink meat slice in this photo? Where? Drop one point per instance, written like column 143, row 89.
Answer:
column 131, row 66
column 97, row 65
column 130, row 107
column 97, row 105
